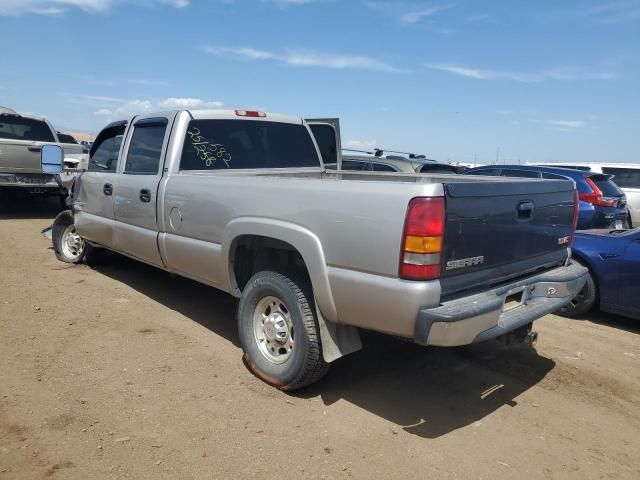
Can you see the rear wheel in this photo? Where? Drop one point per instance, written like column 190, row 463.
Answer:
column 583, row 301
column 279, row 331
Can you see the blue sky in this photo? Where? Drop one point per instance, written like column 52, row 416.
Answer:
column 541, row 80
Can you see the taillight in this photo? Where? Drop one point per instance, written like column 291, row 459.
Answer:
column 595, row 197
column 250, row 113
column 576, row 209
column 423, row 239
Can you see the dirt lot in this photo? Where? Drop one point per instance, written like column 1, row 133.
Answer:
column 125, row 371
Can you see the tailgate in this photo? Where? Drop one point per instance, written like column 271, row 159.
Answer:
column 497, row 230
column 19, row 156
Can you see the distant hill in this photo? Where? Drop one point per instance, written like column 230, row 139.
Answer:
column 80, row 136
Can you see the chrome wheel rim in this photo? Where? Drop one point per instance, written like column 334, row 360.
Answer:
column 72, row 243
column 273, row 329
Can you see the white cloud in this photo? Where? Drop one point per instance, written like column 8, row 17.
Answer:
column 304, row 58
column 128, row 108
column 416, row 16
column 407, row 13
column 535, row 77
column 178, row 102
column 360, row 144
column 57, row 7
column 132, row 107
column 567, row 123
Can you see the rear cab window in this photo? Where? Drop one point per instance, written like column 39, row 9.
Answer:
column 247, row 144
column 624, row 177
column 15, row 127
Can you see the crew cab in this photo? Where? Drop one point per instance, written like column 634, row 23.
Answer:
column 21, row 138
column 241, row 201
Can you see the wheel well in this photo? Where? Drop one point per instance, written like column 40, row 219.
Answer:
column 254, row 253
column 585, row 263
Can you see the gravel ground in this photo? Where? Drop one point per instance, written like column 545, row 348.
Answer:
column 125, row 371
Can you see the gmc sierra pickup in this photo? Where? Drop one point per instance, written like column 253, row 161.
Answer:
column 240, row 200
column 21, row 137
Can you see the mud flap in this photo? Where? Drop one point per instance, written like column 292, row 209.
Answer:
column 337, row 340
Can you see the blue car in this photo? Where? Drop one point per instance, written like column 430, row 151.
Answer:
column 613, row 283
column 602, row 203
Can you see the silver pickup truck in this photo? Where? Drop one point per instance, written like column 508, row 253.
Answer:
column 21, row 138
column 240, row 200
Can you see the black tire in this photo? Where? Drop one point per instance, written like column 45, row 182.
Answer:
column 89, row 254
column 583, row 301
column 304, row 364
column 61, row 224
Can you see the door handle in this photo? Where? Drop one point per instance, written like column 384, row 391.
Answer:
column 608, row 256
column 35, row 148
column 107, row 189
column 145, row 195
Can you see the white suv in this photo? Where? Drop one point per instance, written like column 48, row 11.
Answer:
column 625, row 175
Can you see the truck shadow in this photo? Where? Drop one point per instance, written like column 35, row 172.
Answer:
column 15, row 206
column 428, row 392
column 611, row 320
column 211, row 308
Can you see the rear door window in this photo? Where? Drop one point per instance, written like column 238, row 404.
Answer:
column 145, row 148
column 382, row 167
column 64, row 138
column 15, row 127
column 624, row 177
column 247, row 144
column 353, row 165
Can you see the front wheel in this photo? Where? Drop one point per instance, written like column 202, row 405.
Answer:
column 279, row 331
column 68, row 245
column 583, row 301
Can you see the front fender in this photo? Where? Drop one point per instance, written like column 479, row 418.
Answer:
column 300, row 238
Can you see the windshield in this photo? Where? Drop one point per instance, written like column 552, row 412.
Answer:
column 15, row 127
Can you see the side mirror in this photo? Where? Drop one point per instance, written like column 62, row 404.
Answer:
column 51, row 158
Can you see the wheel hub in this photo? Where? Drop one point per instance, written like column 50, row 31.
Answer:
column 273, row 329
column 276, row 328
column 72, row 243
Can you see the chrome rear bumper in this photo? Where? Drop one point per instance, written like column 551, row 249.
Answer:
column 484, row 315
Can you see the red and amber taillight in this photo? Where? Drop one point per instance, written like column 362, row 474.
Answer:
column 423, row 239
column 596, row 197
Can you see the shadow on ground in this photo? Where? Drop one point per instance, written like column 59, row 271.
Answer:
column 211, row 308
column 428, row 392
column 630, row 325
column 23, row 206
